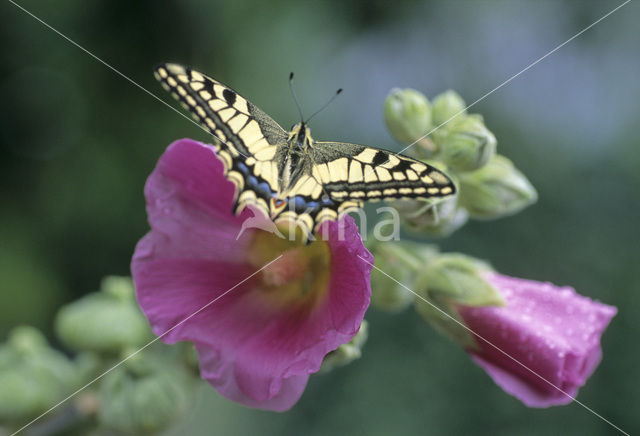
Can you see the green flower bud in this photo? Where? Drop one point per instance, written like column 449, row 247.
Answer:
column 446, row 106
column 346, row 353
column 447, row 281
column 120, row 287
column 467, row 144
column 402, row 261
column 104, row 322
column 407, row 114
column 27, row 340
column 495, row 190
column 136, row 404
column 33, row 376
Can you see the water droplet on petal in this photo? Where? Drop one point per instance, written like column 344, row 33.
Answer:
column 565, row 292
column 144, row 250
column 530, row 356
column 569, row 310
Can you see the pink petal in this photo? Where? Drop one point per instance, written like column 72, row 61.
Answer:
column 188, row 203
column 220, row 374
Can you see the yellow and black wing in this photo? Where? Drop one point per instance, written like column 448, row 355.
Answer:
column 249, row 138
column 340, row 177
column 351, row 174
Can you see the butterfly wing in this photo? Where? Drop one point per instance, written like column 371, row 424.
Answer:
column 342, row 176
column 351, row 174
column 248, row 138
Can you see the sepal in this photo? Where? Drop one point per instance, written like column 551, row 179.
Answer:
column 449, row 281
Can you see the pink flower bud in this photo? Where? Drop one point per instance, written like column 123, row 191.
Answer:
column 543, row 345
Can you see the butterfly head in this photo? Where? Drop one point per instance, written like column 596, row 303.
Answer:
column 300, row 134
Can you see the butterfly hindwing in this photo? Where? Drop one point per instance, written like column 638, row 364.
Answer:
column 248, row 138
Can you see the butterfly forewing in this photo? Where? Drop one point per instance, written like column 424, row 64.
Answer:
column 248, row 137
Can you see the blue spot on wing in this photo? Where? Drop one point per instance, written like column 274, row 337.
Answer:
column 263, row 189
column 242, row 168
column 300, row 204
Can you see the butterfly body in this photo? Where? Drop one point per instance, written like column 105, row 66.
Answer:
column 288, row 175
column 294, row 158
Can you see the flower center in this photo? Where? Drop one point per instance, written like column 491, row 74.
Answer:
column 300, row 277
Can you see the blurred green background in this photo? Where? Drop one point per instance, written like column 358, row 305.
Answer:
column 78, row 141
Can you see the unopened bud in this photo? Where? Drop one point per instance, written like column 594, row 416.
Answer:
column 495, row 190
column 447, row 106
column 104, row 322
column 120, row 287
column 407, row 113
column 33, row 376
column 142, row 404
column 467, row 144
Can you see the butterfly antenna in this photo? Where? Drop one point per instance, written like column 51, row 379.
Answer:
column 295, row 98
column 325, row 105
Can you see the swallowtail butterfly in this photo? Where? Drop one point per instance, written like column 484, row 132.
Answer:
column 289, row 175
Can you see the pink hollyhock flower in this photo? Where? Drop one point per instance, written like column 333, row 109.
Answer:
column 552, row 331
column 257, row 344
